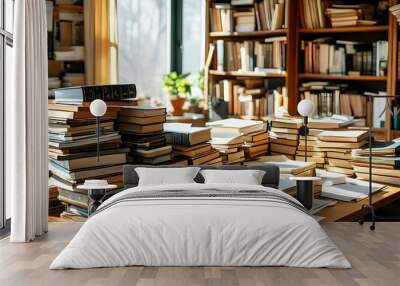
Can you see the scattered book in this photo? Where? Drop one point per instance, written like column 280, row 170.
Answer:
column 235, row 127
column 185, row 134
column 286, row 166
column 76, row 95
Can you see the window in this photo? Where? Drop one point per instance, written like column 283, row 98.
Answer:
column 6, row 43
column 158, row 36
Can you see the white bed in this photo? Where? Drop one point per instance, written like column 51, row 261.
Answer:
column 225, row 225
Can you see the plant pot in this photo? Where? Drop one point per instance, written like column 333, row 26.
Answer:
column 177, row 104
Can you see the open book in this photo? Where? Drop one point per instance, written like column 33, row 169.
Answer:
column 287, row 166
column 352, row 190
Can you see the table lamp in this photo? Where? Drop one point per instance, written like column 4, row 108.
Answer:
column 305, row 109
column 98, row 108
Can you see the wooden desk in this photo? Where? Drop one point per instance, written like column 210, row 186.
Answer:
column 349, row 211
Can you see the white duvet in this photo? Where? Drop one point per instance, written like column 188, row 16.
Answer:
column 204, row 231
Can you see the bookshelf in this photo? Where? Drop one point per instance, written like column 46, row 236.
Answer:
column 294, row 74
column 65, row 45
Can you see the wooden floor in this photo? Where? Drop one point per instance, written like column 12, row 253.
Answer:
column 375, row 257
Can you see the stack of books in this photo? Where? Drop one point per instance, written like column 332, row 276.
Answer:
column 385, row 162
column 230, row 148
column 312, row 14
column 245, row 56
column 288, row 167
column 228, row 137
column 341, row 15
column 255, row 144
column 72, row 151
column 331, row 122
column 338, row 146
column 55, row 206
column 284, row 136
column 314, row 154
column 244, row 21
column 190, row 144
column 143, row 132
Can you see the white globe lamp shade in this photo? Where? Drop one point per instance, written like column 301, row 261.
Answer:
column 98, row 107
column 305, row 107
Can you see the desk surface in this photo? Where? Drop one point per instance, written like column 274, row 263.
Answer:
column 348, row 211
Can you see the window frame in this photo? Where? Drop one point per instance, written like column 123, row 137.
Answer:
column 6, row 39
column 176, row 36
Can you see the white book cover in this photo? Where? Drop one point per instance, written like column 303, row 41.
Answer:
column 234, row 123
column 343, row 133
column 352, row 190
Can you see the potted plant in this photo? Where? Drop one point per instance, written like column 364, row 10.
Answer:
column 178, row 87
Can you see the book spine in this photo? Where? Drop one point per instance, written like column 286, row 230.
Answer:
column 108, row 92
column 177, row 138
column 73, row 196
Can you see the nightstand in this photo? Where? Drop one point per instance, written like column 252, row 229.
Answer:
column 96, row 191
column 305, row 190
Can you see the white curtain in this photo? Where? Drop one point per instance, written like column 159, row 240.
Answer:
column 26, row 124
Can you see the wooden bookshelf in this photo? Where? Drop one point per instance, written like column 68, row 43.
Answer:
column 58, row 67
column 357, row 29
column 280, row 32
column 247, row 74
column 294, row 76
column 315, row 76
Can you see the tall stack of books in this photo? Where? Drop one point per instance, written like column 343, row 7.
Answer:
column 314, row 154
column 143, row 132
column 252, row 55
column 190, row 144
column 338, row 146
column 284, row 136
column 228, row 137
column 72, row 152
column 73, row 142
column 255, row 144
column 385, row 162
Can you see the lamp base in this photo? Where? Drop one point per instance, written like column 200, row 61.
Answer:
column 370, row 209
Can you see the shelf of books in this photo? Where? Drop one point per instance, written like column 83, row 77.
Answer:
column 336, row 52
column 248, row 66
column 65, row 29
column 268, row 55
column 354, row 29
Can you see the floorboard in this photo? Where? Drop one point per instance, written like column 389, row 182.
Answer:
column 375, row 257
